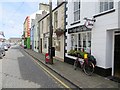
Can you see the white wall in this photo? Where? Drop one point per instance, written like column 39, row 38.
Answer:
column 102, row 40
column 87, row 10
column 119, row 14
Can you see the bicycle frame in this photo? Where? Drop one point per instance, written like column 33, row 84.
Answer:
column 86, row 66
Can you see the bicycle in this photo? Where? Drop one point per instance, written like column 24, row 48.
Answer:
column 86, row 65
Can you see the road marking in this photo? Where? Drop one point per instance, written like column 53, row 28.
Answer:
column 53, row 76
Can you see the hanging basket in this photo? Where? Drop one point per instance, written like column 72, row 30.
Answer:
column 59, row 32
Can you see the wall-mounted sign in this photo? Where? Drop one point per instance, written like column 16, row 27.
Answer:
column 78, row 29
column 89, row 23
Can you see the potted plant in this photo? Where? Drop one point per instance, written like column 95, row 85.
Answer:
column 59, row 31
column 71, row 52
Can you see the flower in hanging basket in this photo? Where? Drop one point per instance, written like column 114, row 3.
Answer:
column 59, row 31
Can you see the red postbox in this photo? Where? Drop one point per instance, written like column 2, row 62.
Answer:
column 47, row 58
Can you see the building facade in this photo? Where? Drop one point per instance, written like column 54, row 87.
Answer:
column 58, row 31
column 43, row 9
column 15, row 40
column 32, row 34
column 94, row 28
column 26, row 32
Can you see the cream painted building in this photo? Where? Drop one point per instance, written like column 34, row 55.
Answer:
column 58, row 31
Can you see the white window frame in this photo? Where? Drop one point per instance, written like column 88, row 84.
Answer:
column 87, row 48
column 76, row 12
column 106, row 3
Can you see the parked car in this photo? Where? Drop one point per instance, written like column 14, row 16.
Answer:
column 2, row 50
column 5, row 47
column 8, row 45
column 1, row 55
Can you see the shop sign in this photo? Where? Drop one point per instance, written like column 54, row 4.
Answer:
column 89, row 23
column 78, row 29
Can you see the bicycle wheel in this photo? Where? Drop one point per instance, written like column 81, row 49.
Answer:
column 75, row 65
column 88, row 68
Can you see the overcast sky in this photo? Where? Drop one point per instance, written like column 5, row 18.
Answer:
column 13, row 14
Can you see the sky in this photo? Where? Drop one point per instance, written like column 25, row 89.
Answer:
column 13, row 14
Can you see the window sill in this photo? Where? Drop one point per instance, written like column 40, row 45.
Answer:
column 76, row 22
column 103, row 13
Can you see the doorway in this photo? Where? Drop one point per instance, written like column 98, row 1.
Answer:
column 117, row 56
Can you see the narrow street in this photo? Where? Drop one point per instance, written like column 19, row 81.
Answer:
column 20, row 71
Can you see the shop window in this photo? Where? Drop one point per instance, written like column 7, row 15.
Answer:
column 106, row 5
column 88, row 48
column 81, row 41
column 84, row 40
column 57, row 44
column 74, row 41
column 77, row 10
column 89, row 39
column 45, row 43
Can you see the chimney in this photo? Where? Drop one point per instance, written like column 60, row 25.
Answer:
column 44, row 12
column 43, row 6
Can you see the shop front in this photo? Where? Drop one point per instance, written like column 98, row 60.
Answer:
column 79, row 38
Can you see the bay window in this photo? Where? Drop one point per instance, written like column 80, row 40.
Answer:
column 81, row 41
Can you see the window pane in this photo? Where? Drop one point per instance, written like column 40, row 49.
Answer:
column 105, row 6
column 110, row 5
column 89, row 39
column 77, row 10
column 79, row 41
column 84, row 39
column 72, row 41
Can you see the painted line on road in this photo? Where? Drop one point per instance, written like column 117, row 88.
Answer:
column 66, row 86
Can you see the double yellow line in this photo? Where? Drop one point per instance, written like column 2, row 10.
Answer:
column 66, row 86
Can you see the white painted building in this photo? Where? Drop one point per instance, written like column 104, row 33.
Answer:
column 102, row 40
column 35, row 17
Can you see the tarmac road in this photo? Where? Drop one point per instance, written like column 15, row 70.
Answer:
column 19, row 71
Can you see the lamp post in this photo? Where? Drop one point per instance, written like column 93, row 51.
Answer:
column 51, row 33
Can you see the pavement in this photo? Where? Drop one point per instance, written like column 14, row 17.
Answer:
column 76, row 77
